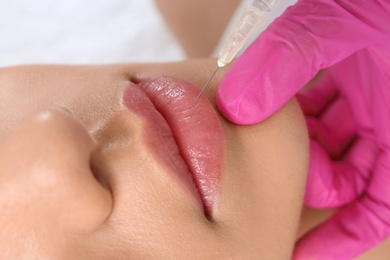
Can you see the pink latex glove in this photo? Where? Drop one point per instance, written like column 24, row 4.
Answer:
column 348, row 112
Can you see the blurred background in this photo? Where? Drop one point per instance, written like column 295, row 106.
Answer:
column 90, row 32
column 83, row 31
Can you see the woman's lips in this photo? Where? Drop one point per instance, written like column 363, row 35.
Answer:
column 188, row 137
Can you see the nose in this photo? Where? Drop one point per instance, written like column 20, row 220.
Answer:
column 46, row 160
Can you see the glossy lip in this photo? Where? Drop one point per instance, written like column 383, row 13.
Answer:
column 187, row 137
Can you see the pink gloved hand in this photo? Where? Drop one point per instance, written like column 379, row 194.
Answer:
column 309, row 36
column 348, row 116
column 348, row 112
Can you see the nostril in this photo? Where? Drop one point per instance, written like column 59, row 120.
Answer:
column 98, row 172
column 135, row 80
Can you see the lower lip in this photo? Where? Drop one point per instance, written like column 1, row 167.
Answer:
column 187, row 137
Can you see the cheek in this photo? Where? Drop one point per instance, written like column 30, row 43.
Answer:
column 264, row 178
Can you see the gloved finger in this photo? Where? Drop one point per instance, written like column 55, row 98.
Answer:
column 377, row 198
column 357, row 228
column 346, row 235
column 315, row 99
column 333, row 184
column 335, row 129
column 308, row 37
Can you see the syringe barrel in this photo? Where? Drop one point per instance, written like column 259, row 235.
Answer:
column 247, row 25
column 264, row 5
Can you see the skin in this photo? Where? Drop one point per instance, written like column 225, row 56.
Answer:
column 78, row 182
column 195, row 24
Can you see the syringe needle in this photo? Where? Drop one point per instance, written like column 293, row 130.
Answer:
column 205, row 86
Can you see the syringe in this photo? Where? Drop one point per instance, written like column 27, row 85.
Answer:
column 249, row 21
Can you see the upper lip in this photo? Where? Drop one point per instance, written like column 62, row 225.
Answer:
column 196, row 130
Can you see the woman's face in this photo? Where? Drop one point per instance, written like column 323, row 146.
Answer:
column 118, row 162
